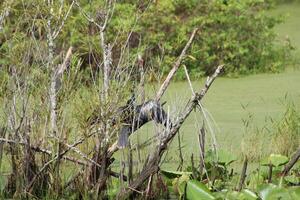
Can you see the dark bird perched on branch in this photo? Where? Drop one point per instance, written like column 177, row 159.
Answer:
column 140, row 115
column 132, row 117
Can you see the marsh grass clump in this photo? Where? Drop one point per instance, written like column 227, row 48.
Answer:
column 280, row 136
column 253, row 145
column 286, row 136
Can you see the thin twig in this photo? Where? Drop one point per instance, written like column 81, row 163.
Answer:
column 270, row 173
column 189, row 80
column 201, row 139
column 148, row 190
column 180, row 153
column 56, row 33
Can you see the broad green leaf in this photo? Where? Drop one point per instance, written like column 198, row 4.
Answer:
column 182, row 181
column 232, row 195
column 196, row 190
column 294, row 192
column 292, row 179
column 222, row 157
column 243, row 195
column 275, row 160
column 249, row 195
column 221, row 194
column 270, row 192
column 264, row 190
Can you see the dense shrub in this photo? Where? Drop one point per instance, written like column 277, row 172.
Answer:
column 237, row 33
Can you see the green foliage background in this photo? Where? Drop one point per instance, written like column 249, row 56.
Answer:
column 236, row 33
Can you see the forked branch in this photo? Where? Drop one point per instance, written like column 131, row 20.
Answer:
column 152, row 166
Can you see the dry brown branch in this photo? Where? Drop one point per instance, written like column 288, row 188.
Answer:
column 130, row 163
column 37, row 149
column 2, row 134
column 188, row 79
column 141, row 63
column 201, row 139
column 291, row 163
column 179, row 168
column 64, row 65
column 194, row 171
column 44, row 151
column 175, row 67
column 152, row 165
column 243, row 174
column 29, row 162
column 270, row 173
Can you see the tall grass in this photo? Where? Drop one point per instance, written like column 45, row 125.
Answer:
column 286, row 136
column 280, row 136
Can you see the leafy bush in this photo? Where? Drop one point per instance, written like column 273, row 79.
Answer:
column 236, row 33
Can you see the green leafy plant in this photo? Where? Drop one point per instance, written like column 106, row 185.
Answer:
column 275, row 160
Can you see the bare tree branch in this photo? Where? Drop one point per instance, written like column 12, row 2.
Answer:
column 176, row 65
column 152, row 166
column 56, row 33
column 291, row 163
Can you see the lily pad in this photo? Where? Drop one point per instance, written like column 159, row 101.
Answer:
column 292, row 179
column 248, row 194
column 295, row 192
column 196, row 190
column 221, row 157
column 275, row 160
column 270, row 192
